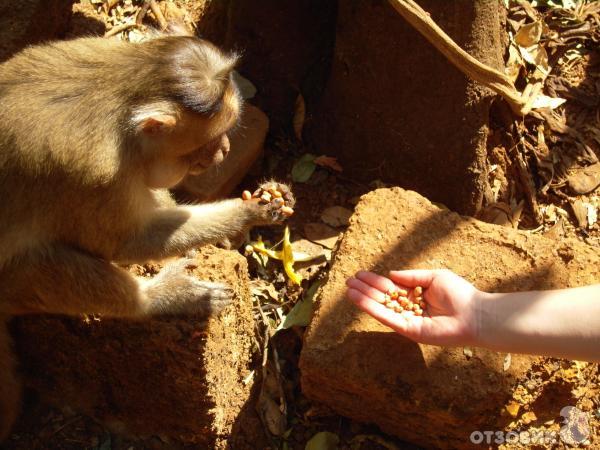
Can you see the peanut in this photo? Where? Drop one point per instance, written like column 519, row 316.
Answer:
column 404, row 301
column 270, row 194
column 287, row 211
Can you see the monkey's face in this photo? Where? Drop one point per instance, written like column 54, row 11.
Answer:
column 191, row 144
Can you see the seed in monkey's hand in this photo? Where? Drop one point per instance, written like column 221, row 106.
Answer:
column 277, row 197
column 400, row 300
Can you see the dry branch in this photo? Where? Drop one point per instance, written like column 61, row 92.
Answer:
column 158, row 15
column 487, row 76
column 116, row 30
column 139, row 18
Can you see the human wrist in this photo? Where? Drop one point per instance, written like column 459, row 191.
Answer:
column 484, row 318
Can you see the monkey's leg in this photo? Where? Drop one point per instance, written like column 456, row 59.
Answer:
column 173, row 231
column 67, row 281
column 10, row 388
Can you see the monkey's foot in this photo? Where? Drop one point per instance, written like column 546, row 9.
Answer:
column 174, row 291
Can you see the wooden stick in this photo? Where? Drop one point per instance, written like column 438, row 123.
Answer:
column 142, row 12
column 487, row 76
column 160, row 18
column 110, row 4
column 116, row 30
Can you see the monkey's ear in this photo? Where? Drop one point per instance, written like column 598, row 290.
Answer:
column 157, row 123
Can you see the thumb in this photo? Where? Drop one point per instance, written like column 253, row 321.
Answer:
column 412, row 278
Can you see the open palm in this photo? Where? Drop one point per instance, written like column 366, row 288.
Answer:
column 450, row 317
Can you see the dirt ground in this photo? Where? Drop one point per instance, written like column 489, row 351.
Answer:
column 531, row 192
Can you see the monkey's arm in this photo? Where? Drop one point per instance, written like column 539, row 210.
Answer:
column 173, row 231
column 64, row 280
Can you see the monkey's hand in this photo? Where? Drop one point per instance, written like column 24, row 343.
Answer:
column 174, row 291
column 274, row 202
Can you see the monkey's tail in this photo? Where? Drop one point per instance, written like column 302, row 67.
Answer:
column 10, row 387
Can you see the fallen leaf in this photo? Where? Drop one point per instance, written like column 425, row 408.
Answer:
column 299, row 116
column 580, row 211
column 543, row 101
column 537, row 56
column 329, row 162
column 323, row 441
column 529, row 34
column 271, row 403
column 585, row 180
column 507, row 361
column 592, row 214
column 468, row 352
column 514, row 64
column 304, row 168
column 336, row 216
column 513, row 408
column 321, row 234
column 498, row 213
column 528, row 417
column 302, row 311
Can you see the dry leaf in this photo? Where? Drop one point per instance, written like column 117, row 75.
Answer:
column 580, row 211
column 585, row 180
column 507, row 361
column 529, row 34
column 514, row 63
column 299, row 116
column 328, row 161
column 536, row 55
column 592, row 214
column 336, row 216
column 498, row 213
column 513, row 408
column 543, row 101
column 321, row 234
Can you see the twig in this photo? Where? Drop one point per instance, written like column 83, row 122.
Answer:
column 110, row 4
column 160, row 18
column 489, row 77
column 116, row 30
column 142, row 12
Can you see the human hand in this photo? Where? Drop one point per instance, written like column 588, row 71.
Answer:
column 450, row 317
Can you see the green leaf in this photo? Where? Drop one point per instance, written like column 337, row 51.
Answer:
column 323, row 441
column 304, row 168
column 106, row 444
column 302, row 311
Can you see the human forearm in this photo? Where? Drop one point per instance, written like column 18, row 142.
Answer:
column 563, row 323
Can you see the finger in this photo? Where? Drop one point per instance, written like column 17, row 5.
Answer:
column 405, row 324
column 377, row 281
column 367, row 289
column 412, row 278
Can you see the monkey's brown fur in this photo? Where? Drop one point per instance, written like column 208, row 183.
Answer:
column 92, row 133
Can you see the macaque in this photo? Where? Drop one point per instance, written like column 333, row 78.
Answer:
column 93, row 133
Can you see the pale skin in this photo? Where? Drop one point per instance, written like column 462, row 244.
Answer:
column 561, row 323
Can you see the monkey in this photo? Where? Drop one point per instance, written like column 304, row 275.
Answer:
column 93, row 133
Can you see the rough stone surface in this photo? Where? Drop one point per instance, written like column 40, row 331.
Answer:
column 167, row 377
column 397, row 110
column 25, row 22
column 246, row 146
column 285, row 50
column 429, row 395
